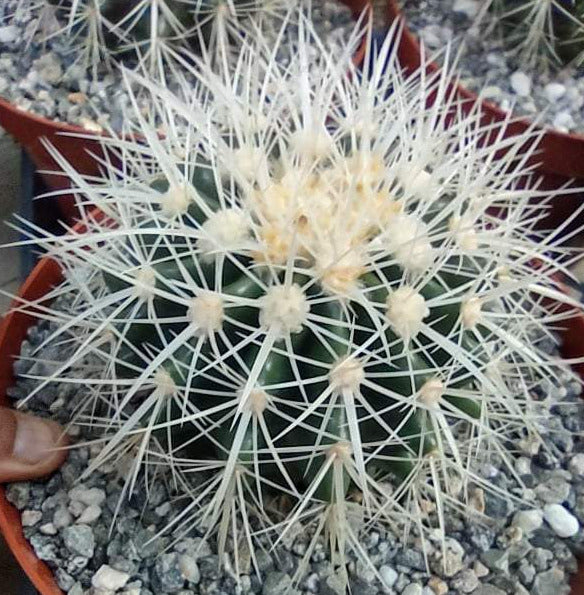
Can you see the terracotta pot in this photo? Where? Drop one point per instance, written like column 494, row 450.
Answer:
column 561, row 154
column 29, row 130
column 13, row 328
column 12, row 333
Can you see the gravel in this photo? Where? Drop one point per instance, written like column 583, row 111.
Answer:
column 68, row 523
column 556, row 98
column 42, row 77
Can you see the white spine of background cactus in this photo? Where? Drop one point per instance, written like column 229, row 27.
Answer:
column 311, row 298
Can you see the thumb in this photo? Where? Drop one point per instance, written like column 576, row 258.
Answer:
column 28, row 446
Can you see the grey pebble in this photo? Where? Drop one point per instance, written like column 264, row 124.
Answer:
column 553, row 491
column 277, row 583
column 76, row 508
column 410, row 558
column 62, row 518
column 496, row 560
column 45, row 548
column 487, row 589
column 466, row 581
column 541, row 558
column 550, row 583
column 77, row 589
column 526, row 572
column 520, row 83
column 388, row 575
column 64, row 580
column 30, row 518
column 18, row 494
column 168, row 574
column 76, row 564
column 79, row 540
column 189, row 569
column 332, row 585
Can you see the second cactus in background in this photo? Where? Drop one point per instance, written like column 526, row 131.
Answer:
column 547, row 32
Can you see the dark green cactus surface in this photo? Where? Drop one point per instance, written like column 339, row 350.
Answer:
column 348, row 326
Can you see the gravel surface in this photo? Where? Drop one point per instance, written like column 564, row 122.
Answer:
column 521, row 549
column 556, row 97
column 41, row 76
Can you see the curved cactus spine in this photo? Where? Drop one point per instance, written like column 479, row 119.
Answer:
column 309, row 300
column 543, row 30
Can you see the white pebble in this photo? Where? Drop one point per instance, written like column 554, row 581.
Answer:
column 576, row 465
column 520, row 83
column 9, row 33
column 48, row 529
column 563, row 523
column 88, row 496
column 189, row 569
column 62, row 518
column 413, row 589
column 564, row 121
column 528, row 520
column 109, row 579
column 431, row 36
column 31, row 517
column 388, row 575
column 553, row 91
column 492, row 92
column 76, row 508
column 49, row 68
column 89, row 515
column 163, row 509
column 468, row 7
column 523, row 466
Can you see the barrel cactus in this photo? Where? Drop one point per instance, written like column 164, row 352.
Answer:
column 112, row 29
column 323, row 299
column 543, row 31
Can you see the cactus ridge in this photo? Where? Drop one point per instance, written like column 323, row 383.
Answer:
column 321, row 301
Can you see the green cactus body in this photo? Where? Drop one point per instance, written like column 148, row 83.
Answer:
column 311, row 302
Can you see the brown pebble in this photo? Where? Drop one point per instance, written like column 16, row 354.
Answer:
column 438, row 586
column 77, row 98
